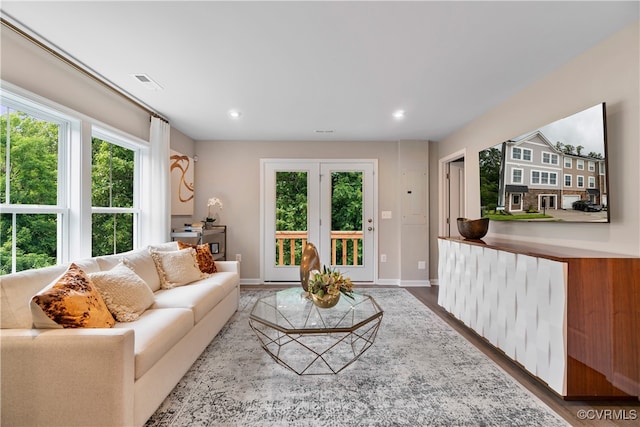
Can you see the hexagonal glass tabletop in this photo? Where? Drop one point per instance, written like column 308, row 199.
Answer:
column 311, row 340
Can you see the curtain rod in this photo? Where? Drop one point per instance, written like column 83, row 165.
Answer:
column 79, row 68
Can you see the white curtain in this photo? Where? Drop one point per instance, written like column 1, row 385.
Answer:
column 156, row 199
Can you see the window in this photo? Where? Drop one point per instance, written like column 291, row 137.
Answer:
column 518, row 153
column 568, row 162
column 580, row 164
column 580, row 180
column 30, row 185
column 516, row 176
column 602, row 168
column 550, row 158
column 515, row 199
column 592, row 182
column 112, row 196
column 544, row 178
column 567, row 180
column 45, row 181
column 591, row 166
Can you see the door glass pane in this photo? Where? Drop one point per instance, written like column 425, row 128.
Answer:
column 346, row 218
column 291, row 217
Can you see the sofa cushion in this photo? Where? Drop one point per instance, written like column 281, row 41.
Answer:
column 70, row 301
column 176, row 268
column 200, row 297
column 157, row 331
column 139, row 260
column 204, row 257
column 127, row 296
column 167, row 246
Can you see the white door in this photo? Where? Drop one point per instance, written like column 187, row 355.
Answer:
column 328, row 203
column 456, row 195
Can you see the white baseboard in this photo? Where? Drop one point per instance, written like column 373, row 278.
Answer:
column 415, row 283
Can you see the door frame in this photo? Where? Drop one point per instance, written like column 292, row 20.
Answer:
column 298, row 163
column 444, row 193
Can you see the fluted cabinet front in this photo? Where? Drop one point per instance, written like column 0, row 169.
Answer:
column 517, row 302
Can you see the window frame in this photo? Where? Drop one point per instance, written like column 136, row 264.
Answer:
column 568, row 175
column 522, row 154
column 513, row 180
column 74, row 208
column 544, row 176
column 124, row 142
column 553, row 158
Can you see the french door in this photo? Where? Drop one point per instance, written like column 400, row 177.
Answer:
column 328, row 203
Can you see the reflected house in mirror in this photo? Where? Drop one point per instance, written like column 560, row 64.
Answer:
column 555, row 174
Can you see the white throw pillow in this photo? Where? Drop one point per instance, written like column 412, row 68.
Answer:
column 177, row 268
column 127, row 296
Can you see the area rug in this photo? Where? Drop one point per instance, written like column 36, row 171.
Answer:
column 419, row 372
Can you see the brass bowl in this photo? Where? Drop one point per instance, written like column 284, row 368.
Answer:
column 326, row 301
column 473, row 229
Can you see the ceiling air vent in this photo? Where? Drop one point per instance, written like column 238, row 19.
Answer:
column 147, row 82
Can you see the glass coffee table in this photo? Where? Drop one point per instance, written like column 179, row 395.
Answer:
column 311, row 340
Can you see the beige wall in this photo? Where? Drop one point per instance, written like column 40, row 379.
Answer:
column 608, row 73
column 28, row 66
column 231, row 170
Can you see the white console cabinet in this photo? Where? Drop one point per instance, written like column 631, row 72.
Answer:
column 517, row 302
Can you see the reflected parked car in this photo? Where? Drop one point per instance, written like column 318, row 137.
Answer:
column 587, row 206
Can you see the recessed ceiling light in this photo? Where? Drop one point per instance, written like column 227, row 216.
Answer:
column 398, row 114
column 234, row 114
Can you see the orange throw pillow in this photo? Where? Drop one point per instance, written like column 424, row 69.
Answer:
column 72, row 301
column 206, row 263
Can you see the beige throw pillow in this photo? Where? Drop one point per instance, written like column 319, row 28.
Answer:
column 127, row 296
column 71, row 301
column 176, row 268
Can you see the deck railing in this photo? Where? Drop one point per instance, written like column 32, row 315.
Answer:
column 349, row 240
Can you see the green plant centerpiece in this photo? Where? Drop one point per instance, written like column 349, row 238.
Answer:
column 325, row 287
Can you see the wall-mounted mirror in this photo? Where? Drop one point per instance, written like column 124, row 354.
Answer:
column 557, row 173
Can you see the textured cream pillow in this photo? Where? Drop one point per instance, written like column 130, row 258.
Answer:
column 71, row 301
column 127, row 296
column 176, row 268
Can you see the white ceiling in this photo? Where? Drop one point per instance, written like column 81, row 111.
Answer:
column 293, row 68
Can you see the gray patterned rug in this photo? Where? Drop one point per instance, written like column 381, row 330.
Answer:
column 419, row 372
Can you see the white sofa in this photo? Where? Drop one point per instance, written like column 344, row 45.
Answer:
column 115, row 376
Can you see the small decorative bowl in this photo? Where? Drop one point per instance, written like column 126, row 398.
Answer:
column 326, row 301
column 473, row 229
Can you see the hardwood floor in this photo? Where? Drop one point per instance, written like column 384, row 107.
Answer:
column 594, row 413
column 576, row 413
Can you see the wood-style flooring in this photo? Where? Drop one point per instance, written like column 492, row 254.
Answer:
column 596, row 413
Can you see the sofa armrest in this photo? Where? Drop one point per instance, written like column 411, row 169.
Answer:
column 67, row 377
column 228, row 266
